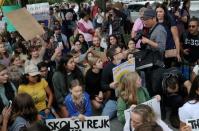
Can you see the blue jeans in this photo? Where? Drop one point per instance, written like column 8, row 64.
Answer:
column 110, row 109
column 44, row 117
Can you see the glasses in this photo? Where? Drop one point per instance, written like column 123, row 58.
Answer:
column 44, row 70
column 118, row 52
column 192, row 26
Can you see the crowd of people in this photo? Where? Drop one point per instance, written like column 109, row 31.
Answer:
column 67, row 72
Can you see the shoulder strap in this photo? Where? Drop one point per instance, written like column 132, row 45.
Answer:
column 151, row 31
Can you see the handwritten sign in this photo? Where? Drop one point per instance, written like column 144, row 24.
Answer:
column 95, row 123
column 194, row 123
column 40, row 11
column 120, row 70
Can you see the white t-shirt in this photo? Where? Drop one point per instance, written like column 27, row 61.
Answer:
column 100, row 18
column 196, row 69
column 189, row 111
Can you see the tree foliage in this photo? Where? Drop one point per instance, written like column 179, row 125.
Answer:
column 77, row 1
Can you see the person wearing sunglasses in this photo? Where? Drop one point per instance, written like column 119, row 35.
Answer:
column 190, row 42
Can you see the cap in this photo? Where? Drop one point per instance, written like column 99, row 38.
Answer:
column 32, row 70
column 148, row 14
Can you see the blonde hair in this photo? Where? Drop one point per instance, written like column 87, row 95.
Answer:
column 127, row 87
column 93, row 60
column 146, row 113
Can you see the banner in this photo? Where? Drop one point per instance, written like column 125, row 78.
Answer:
column 6, row 9
column 194, row 123
column 40, row 11
column 95, row 123
column 25, row 24
column 120, row 70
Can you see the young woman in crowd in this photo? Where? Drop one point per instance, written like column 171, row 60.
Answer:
column 65, row 73
column 22, row 114
column 131, row 47
column 112, row 40
column 130, row 92
column 93, row 79
column 84, row 45
column 7, row 89
column 170, row 26
column 16, row 69
column 38, row 89
column 36, row 53
column 143, row 115
column 78, row 102
column 190, row 109
column 4, row 55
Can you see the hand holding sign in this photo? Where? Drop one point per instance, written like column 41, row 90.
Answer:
column 81, row 117
column 186, row 128
column 193, row 123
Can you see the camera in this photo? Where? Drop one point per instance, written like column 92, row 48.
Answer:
column 138, row 36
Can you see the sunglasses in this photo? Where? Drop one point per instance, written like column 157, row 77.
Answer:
column 192, row 26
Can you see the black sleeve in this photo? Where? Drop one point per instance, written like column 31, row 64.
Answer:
column 105, row 81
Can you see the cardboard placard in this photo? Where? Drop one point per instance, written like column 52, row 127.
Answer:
column 25, row 24
column 94, row 123
column 40, row 11
column 120, row 70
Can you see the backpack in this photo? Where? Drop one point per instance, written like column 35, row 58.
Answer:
column 171, row 72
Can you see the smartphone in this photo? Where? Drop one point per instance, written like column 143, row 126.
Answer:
column 10, row 104
column 60, row 44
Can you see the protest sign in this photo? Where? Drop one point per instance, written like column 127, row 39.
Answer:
column 25, row 24
column 120, row 70
column 194, row 123
column 40, row 11
column 95, row 123
column 153, row 103
column 6, row 9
